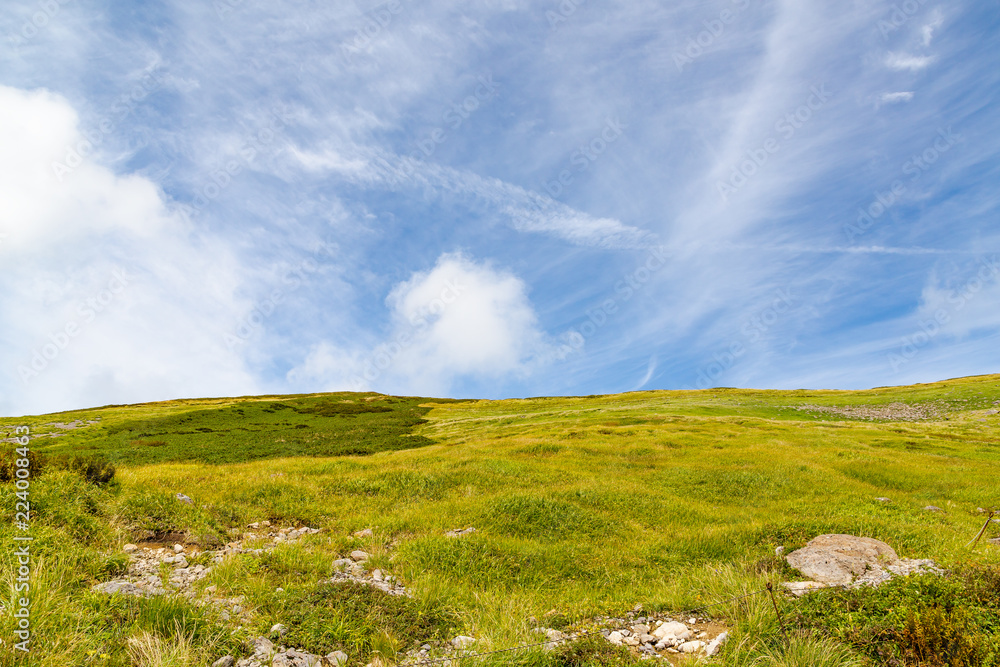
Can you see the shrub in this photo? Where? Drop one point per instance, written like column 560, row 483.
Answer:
column 9, row 459
column 94, row 468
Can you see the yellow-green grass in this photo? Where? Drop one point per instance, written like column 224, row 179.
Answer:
column 582, row 507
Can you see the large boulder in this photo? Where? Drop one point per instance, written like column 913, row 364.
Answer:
column 839, row 559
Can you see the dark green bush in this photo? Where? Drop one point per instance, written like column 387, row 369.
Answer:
column 94, row 468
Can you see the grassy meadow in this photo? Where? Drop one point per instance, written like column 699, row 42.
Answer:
column 583, row 507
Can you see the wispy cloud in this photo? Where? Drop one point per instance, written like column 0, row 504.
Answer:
column 905, row 61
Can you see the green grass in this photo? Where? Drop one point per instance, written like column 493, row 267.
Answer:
column 583, row 507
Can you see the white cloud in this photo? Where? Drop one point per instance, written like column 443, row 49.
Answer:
column 905, row 61
column 927, row 32
column 527, row 211
column 111, row 298
column 895, row 98
column 459, row 320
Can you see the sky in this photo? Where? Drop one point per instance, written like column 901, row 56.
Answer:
column 495, row 199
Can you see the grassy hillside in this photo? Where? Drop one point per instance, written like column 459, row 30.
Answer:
column 583, row 507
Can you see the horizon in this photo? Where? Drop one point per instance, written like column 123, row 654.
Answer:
column 510, row 398
column 506, row 201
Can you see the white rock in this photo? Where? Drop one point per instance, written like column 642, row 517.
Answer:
column 178, row 549
column 367, row 532
column 616, row 638
column 359, row 555
column 671, row 629
column 225, row 661
column 129, row 548
column 691, row 647
column 462, row 642
column 278, row 629
column 336, row 659
column 554, row 635
column 714, row 646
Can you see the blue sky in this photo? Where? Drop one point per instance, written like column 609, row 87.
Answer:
column 494, row 199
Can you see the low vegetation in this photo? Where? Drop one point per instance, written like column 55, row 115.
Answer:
column 583, row 508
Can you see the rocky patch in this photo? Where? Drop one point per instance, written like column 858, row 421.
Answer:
column 847, row 560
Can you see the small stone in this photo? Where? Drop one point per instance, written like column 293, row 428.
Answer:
column 377, row 575
column 692, row 621
column 715, row 644
column 616, row 638
column 671, row 629
column 336, row 658
column 184, row 499
column 779, row 551
column 178, row 549
column 129, row 548
column 640, row 629
column 554, row 635
column 691, row 647
column 932, row 508
column 278, row 630
column 883, row 500
column 226, row 661
column 359, row 555
column 462, row 642
column 367, row 532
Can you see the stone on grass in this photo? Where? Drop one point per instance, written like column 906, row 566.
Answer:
column 932, row 508
column 672, row 629
column 691, row 647
column 278, row 630
column 461, row 642
column 225, row 661
column 716, row 644
column 838, row 559
column 359, row 555
column 336, row 659
column 184, row 499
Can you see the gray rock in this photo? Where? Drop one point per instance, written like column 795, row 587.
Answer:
column 367, row 532
column 691, row 647
column 336, row 658
column 838, row 559
column 184, row 499
column 226, row 661
column 359, row 555
column 278, row 630
column 932, row 508
column 672, row 629
column 714, row 646
column 462, row 642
